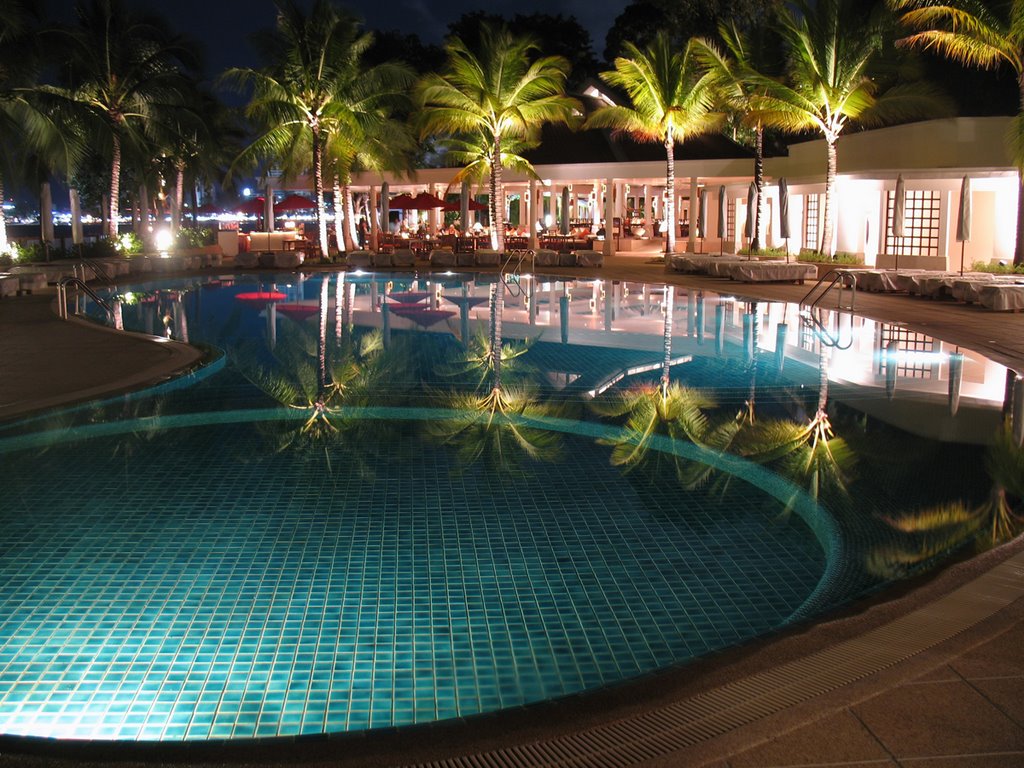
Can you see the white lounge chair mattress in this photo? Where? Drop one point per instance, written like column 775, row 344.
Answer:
column 1002, row 297
column 770, row 271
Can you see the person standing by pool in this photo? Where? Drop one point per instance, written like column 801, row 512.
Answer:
column 362, row 230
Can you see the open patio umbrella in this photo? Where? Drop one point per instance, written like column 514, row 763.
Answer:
column 251, row 207
column 722, row 208
column 401, row 202
column 294, row 203
column 456, row 205
column 425, row 201
column 385, row 207
column 207, row 209
column 702, row 214
column 963, row 219
column 564, row 223
column 784, row 213
column 748, row 225
column 898, row 212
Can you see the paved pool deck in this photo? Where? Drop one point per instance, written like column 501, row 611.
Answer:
column 955, row 699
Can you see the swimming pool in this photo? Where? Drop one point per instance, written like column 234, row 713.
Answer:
column 353, row 518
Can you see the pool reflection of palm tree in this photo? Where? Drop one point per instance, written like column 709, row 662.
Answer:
column 488, row 423
column 302, row 375
column 945, row 528
column 665, row 408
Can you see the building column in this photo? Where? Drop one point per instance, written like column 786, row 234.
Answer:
column 374, row 223
column 647, row 210
column 609, row 217
column 691, row 239
column 268, row 209
column 595, row 213
column 531, row 224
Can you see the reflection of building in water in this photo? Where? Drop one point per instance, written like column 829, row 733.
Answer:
column 628, row 315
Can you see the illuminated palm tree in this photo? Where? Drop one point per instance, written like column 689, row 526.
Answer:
column 832, row 46
column 735, row 81
column 314, row 87
column 985, row 35
column 672, row 101
column 497, row 93
column 127, row 75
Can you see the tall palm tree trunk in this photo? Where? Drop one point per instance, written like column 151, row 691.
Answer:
column 666, row 338
column 755, row 244
column 318, row 189
column 497, row 203
column 823, row 361
column 830, row 190
column 349, row 235
column 1018, row 251
column 115, row 187
column 3, row 219
column 179, row 196
column 339, row 216
column 321, row 347
column 670, row 194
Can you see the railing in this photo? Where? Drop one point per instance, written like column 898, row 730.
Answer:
column 97, row 269
column 62, row 296
column 846, row 278
column 511, row 270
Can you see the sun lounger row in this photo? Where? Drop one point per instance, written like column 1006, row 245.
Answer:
column 443, row 257
column 275, row 259
column 743, row 269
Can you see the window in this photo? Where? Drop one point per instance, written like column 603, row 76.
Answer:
column 811, row 222
column 920, row 224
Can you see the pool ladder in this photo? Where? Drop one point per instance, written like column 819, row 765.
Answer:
column 77, row 282
column 844, row 279
column 511, row 270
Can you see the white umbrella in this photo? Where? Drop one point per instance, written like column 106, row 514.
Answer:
column 722, row 208
column 963, row 219
column 784, row 213
column 898, row 216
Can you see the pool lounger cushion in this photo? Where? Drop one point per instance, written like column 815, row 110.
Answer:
column 403, row 257
column 1002, row 297
column 488, row 258
column 380, row 259
column 288, row 259
column 442, row 257
column 771, row 271
column 587, row 258
column 359, row 258
column 544, row 257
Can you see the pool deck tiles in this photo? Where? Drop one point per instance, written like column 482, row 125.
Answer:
column 958, row 704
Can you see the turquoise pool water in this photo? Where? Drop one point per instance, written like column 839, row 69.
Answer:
column 278, row 549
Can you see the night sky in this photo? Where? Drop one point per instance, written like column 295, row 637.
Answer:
column 223, row 26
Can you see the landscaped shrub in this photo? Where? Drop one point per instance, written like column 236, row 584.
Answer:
column 195, row 237
column 997, row 268
column 769, row 252
column 129, row 244
column 841, row 257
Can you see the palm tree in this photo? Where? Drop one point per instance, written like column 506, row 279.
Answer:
column 126, row 75
column 499, row 92
column 473, row 153
column 734, row 73
column 27, row 128
column 832, row 46
column 672, row 101
column 314, row 88
column 984, row 35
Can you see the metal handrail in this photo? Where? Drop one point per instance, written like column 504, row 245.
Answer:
column 510, row 277
column 846, row 279
column 97, row 269
column 62, row 296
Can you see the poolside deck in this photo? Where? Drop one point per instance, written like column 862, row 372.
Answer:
column 951, row 698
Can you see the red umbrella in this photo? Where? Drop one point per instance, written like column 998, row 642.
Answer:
column 294, row 203
column 455, row 205
column 402, row 202
column 425, row 201
column 252, row 207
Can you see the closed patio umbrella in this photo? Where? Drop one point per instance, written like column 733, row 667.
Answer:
column 722, row 208
column 748, row 226
column 564, row 223
column 702, row 214
column 784, row 213
column 898, row 215
column 963, row 219
column 385, row 207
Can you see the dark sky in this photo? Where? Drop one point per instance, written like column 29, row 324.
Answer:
column 224, row 25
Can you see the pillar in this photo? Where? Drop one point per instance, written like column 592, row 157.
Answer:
column 691, row 239
column 609, row 217
column 531, row 222
column 268, row 209
column 647, row 210
column 374, row 222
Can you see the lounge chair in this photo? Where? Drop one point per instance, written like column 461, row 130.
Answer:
column 288, row 259
column 488, row 258
column 442, row 257
column 545, row 257
column 380, row 259
column 359, row 258
column 403, row 257
column 588, row 258
column 1002, row 297
column 8, row 285
column 771, row 272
